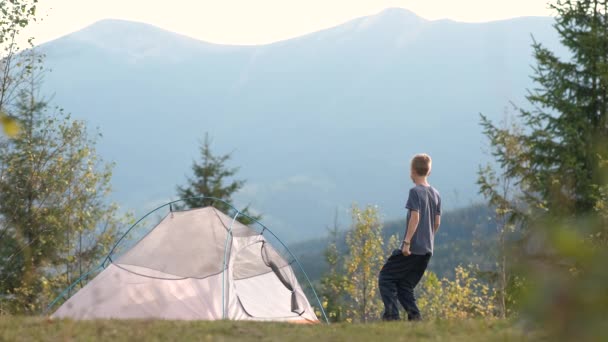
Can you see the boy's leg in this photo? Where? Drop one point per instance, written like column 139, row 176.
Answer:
column 405, row 287
column 387, row 283
column 388, row 291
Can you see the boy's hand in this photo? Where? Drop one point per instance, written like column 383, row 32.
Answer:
column 406, row 250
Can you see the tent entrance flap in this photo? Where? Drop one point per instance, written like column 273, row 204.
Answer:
column 264, row 283
column 288, row 284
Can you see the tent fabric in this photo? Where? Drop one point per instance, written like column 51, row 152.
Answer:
column 177, row 272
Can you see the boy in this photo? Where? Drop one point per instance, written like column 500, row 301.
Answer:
column 404, row 268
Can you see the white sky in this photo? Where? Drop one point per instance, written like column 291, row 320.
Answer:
column 259, row 21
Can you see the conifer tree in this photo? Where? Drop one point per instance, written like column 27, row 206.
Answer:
column 565, row 139
column 560, row 169
column 213, row 179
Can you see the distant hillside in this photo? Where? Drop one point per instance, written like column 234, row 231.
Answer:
column 454, row 244
column 315, row 123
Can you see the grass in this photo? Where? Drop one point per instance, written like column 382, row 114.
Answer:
column 40, row 329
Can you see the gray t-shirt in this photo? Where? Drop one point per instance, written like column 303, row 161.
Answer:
column 427, row 202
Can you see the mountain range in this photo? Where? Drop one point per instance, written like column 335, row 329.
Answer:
column 315, row 123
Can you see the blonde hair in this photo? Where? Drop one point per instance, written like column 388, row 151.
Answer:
column 421, row 164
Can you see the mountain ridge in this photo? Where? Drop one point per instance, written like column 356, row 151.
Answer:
column 399, row 14
column 316, row 123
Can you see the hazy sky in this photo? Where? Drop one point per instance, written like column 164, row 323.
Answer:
column 260, row 21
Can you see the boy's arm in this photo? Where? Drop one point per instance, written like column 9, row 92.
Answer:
column 411, row 229
column 437, row 223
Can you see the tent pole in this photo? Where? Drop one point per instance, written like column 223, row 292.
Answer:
column 62, row 294
column 228, row 236
column 305, row 274
column 158, row 208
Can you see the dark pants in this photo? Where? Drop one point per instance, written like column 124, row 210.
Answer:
column 398, row 278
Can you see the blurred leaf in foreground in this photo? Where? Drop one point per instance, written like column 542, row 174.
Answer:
column 10, row 126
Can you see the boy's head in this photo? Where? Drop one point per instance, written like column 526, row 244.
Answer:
column 421, row 165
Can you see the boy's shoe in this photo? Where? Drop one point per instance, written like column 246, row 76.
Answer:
column 414, row 318
column 386, row 318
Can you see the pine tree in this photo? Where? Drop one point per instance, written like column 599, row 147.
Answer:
column 559, row 168
column 212, row 179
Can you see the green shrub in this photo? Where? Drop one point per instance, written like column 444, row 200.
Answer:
column 461, row 298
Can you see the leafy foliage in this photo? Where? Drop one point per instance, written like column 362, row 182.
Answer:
column 333, row 282
column 54, row 218
column 10, row 125
column 566, row 291
column 509, row 211
column 14, row 67
column 332, row 286
column 364, row 260
column 561, row 171
column 558, row 164
column 464, row 297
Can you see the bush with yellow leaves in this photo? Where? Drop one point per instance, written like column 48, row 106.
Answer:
column 464, row 297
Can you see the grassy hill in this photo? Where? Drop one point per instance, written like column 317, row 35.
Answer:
column 38, row 329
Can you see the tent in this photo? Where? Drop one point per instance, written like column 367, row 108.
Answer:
column 197, row 264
